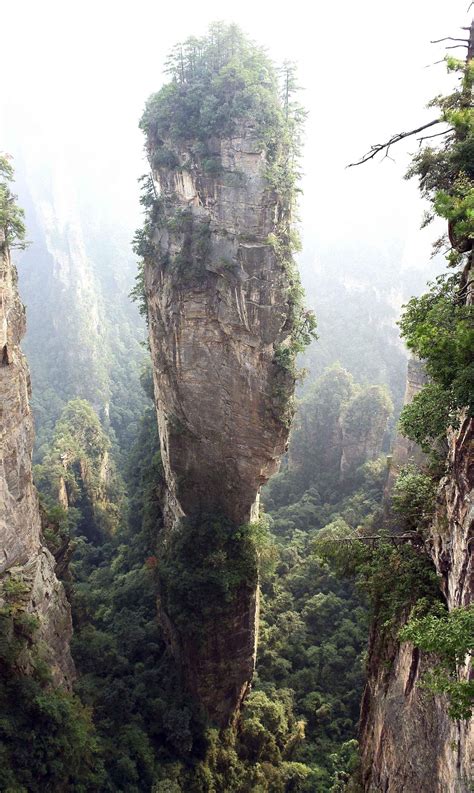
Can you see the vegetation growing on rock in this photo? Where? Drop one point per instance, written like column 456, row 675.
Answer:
column 438, row 326
column 47, row 739
column 78, row 471
column 224, row 85
column 12, row 223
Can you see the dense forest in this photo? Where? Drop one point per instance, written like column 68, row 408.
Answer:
column 340, row 547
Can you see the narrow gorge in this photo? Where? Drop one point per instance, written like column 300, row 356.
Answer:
column 233, row 557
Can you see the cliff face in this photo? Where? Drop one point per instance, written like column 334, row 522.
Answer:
column 24, row 558
column 408, row 743
column 219, row 310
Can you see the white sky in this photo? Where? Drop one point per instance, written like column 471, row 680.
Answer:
column 76, row 76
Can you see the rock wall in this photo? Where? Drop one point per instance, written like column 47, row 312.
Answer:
column 408, row 743
column 219, row 310
column 22, row 555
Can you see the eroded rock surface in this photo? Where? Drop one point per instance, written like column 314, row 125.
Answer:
column 22, row 555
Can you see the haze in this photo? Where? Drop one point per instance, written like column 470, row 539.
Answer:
column 78, row 74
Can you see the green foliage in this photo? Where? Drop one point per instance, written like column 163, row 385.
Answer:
column 449, row 635
column 205, row 566
column 150, row 737
column 138, row 294
column 425, row 418
column 313, row 633
column 435, row 326
column 393, row 578
column 47, row 740
column 216, row 81
column 313, row 629
column 78, row 461
column 11, row 215
column 413, row 498
column 125, row 674
column 438, row 326
column 345, row 762
column 58, row 525
column 332, row 405
column 305, row 702
column 368, row 412
column 445, row 173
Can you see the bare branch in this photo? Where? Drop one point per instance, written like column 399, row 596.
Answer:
column 377, row 148
column 448, row 38
column 457, row 46
column 436, row 135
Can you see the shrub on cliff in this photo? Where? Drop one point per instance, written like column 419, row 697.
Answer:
column 450, row 637
column 438, row 326
column 11, row 215
column 413, row 497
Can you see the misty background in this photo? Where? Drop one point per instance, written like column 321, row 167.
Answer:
column 77, row 77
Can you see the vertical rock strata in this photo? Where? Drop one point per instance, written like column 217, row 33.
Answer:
column 219, row 313
column 23, row 558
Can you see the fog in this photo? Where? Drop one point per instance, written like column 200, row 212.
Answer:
column 77, row 74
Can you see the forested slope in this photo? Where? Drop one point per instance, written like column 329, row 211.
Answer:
column 350, row 569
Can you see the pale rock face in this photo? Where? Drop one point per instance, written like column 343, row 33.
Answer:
column 215, row 321
column 21, row 550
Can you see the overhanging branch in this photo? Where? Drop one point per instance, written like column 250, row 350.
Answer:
column 379, row 147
